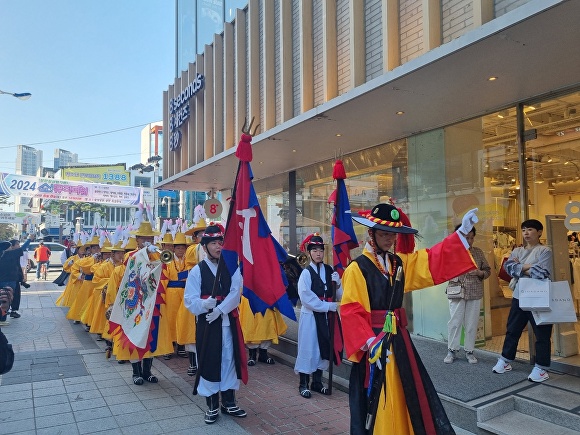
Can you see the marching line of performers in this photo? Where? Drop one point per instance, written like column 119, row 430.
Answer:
column 367, row 300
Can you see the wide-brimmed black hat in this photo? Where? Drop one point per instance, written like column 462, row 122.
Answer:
column 384, row 217
column 211, row 233
column 311, row 241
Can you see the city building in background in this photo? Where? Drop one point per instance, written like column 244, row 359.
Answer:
column 442, row 105
column 63, row 158
column 28, row 162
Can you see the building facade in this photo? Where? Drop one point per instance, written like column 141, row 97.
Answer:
column 441, row 105
column 63, row 158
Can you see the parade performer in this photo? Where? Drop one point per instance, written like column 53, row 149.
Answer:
column 315, row 290
column 218, row 333
column 72, row 266
column 95, row 314
column 87, row 264
column 177, row 275
column 374, row 324
column 66, row 254
column 138, row 286
column 195, row 253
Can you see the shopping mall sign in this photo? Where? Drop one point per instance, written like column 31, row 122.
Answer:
column 180, row 112
column 64, row 190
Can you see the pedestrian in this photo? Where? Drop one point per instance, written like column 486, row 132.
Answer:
column 402, row 397
column 317, row 298
column 42, row 256
column 10, row 271
column 533, row 260
column 218, row 341
column 464, row 306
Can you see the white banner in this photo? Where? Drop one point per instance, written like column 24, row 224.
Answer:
column 63, row 190
column 8, row 217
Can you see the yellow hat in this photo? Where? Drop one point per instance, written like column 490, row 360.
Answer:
column 117, row 247
column 146, row 230
column 201, row 225
column 167, row 238
column 94, row 241
column 106, row 246
column 131, row 245
column 180, row 239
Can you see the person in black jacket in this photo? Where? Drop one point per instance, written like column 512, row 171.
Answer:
column 10, row 270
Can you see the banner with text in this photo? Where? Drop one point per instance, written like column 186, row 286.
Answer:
column 8, row 217
column 63, row 190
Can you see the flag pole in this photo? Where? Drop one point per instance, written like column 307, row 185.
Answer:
column 221, row 263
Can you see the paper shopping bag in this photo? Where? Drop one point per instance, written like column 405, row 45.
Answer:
column 561, row 304
column 534, row 294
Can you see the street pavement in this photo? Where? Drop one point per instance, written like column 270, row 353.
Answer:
column 62, row 383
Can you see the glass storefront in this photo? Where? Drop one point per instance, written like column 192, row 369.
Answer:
column 436, row 177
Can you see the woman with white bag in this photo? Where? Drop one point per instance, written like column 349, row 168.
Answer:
column 465, row 303
column 534, row 260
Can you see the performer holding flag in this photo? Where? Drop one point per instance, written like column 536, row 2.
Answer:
column 394, row 395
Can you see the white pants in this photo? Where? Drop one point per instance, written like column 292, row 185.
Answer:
column 463, row 313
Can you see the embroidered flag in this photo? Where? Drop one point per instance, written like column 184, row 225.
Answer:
column 135, row 307
column 248, row 243
column 342, row 231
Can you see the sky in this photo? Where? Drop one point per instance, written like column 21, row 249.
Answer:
column 94, row 68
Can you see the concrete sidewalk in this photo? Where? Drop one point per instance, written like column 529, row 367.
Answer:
column 62, row 383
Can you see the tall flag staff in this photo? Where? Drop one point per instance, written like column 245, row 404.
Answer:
column 343, row 240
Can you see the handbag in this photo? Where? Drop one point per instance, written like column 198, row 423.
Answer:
column 534, row 294
column 502, row 274
column 561, row 304
column 6, row 355
column 454, row 291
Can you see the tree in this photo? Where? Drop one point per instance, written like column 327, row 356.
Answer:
column 60, row 207
column 7, row 232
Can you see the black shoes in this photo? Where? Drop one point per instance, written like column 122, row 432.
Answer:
column 14, row 314
column 25, row 284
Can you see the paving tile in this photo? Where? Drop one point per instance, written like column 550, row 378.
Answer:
column 168, row 412
column 159, row 403
column 47, row 384
column 12, row 405
column 12, row 427
column 15, row 415
column 42, row 392
column 104, row 425
column 121, row 399
column 68, row 429
column 84, row 395
column 131, row 407
column 87, row 404
column 144, row 428
column 51, row 400
column 74, row 388
column 54, row 420
column 8, row 389
column 59, row 408
column 92, row 413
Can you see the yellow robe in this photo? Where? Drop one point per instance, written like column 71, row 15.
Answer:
column 112, row 289
column 84, row 289
column 100, row 280
column 65, row 299
column 257, row 327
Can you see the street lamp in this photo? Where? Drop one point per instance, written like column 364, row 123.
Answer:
column 20, row 96
column 166, row 202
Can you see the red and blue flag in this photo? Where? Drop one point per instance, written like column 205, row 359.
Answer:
column 249, row 244
column 342, row 231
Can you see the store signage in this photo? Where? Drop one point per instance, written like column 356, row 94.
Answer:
column 7, row 217
column 64, row 190
column 179, row 111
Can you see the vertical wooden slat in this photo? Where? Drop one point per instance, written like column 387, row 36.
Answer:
column 330, row 62
column 241, row 73
column 254, row 61
column 181, row 157
column 391, row 35
column 229, row 81
column 208, row 103
column 483, row 11
column 357, row 43
column 285, row 48
column 218, row 99
column 191, row 124
column 166, row 134
column 431, row 24
column 306, row 56
column 268, row 67
column 199, row 112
